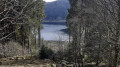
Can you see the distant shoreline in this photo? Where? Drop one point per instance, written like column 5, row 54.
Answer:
column 55, row 23
column 54, row 20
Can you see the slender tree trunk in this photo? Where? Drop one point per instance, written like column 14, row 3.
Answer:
column 35, row 42
column 22, row 39
column 39, row 37
column 30, row 49
column 99, row 48
column 69, row 36
column 116, row 56
column 29, row 44
column 110, row 55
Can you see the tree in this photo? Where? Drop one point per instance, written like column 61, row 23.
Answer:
column 19, row 18
column 80, row 22
column 109, row 13
column 45, row 53
column 95, row 28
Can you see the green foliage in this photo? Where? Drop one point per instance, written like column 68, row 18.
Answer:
column 45, row 53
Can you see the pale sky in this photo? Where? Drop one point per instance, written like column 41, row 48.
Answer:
column 49, row 0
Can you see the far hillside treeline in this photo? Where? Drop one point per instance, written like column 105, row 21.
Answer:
column 57, row 10
column 55, row 23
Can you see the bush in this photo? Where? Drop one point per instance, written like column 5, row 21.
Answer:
column 12, row 49
column 46, row 53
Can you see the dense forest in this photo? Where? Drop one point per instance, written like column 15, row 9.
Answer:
column 93, row 27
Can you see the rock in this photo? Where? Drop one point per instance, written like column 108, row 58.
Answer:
column 11, row 58
column 53, row 65
column 69, row 65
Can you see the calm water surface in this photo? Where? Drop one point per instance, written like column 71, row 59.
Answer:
column 52, row 31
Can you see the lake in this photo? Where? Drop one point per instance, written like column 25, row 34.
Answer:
column 54, row 31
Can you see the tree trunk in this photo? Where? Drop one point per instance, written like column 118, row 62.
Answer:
column 116, row 56
column 99, row 49
column 29, row 43
column 35, row 42
column 22, row 39
column 39, row 37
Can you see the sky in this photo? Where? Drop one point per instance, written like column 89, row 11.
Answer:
column 49, row 0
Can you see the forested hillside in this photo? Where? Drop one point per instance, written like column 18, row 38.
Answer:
column 56, row 10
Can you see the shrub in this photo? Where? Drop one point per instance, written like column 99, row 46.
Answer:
column 46, row 53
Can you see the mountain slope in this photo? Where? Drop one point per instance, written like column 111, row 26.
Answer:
column 56, row 10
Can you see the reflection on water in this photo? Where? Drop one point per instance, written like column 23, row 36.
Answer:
column 53, row 31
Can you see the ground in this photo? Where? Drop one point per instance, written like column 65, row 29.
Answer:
column 25, row 62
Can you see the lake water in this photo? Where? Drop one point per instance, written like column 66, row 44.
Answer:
column 54, row 31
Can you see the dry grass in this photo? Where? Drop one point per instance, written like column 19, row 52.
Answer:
column 26, row 62
column 56, row 45
column 11, row 49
